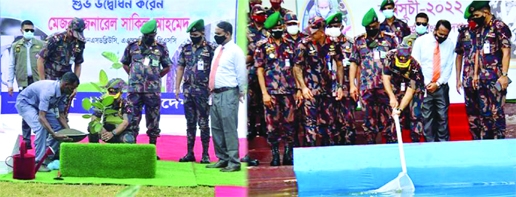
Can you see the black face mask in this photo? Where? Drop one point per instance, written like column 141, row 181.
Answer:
column 480, row 20
column 277, row 34
column 196, row 40
column 440, row 39
column 148, row 40
column 372, row 32
column 220, row 39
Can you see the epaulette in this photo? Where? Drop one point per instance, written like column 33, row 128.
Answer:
column 137, row 41
column 213, row 45
column 161, row 43
column 261, row 42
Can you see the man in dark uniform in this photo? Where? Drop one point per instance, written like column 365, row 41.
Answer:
column 465, row 65
column 252, row 3
column 273, row 58
column 404, row 83
column 391, row 24
column 111, row 132
column 142, row 60
column 276, row 7
column 61, row 51
column 293, row 36
column 319, row 79
column 369, row 51
column 493, row 52
column 345, row 123
column 194, row 65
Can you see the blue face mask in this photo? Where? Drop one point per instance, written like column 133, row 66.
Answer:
column 388, row 13
column 28, row 35
column 420, row 29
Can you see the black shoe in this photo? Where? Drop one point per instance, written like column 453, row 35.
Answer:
column 230, row 169
column 288, row 159
column 275, row 155
column 219, row 164
column 253, row 162
column 245, row 159
column 28, row 145
column 188, row 158
column 205, row 159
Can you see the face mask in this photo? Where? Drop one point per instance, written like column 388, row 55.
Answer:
column 440, row 39
column 388, row 13
column 293, row 30
column 259, row 19
column 372, row 32
column 220, row 39
column 333, row 31
column 277, row 34
column 472, row 24
column 313, row 31
column 148, row 40
column 480, row 20
column 324, row 12
column 276, row 5
column 28, row 35
column 196, row 40
column 420, row 29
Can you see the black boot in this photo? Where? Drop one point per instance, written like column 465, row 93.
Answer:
column 189, row 157
column 153, row 140
column 275, row 155
column 288, row 157
column 205, row 155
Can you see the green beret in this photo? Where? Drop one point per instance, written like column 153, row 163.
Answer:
column 385, row 3
column 149, row 27
column 477, row 5
column 197, row 25
column 334, row 18
column 273, row 20
column 369, row 17
column 467, row 14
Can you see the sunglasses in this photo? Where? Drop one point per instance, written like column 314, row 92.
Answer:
column 424, row 24
column 27, row 30
column 333, row 26
column 112, row 91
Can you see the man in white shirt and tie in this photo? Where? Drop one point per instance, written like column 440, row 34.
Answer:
column 228, row 85
column 437, row 68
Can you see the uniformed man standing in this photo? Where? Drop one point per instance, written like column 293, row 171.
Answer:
column 318, row 70
column 493, row 52
column 421, row 29
column 404, row 83
column 273, row 58
column 61, row 51
column 194, row 65
column 344, row 109
column 114, row 133
column 276, row 7
column 391, row 24
column 23, row 66
column 252, row 3
column 465, row 65
column 142, row 60
column 369, row 51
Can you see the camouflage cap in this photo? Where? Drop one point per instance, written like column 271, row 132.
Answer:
column 290, row 17
column 273, row 20
column 316, row 21
column 385, row 3
column 197, row 25
column 117, row 84
column 403, row 52
column 369, row 17
column 149, row 27
column 77, row 26
column 258, row 9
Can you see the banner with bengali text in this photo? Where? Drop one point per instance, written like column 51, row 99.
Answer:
column 110, row 25
column 452, row 10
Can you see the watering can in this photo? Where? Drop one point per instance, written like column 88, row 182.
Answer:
column 24, row 164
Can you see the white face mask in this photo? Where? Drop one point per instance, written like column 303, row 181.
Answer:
column 313, row 31
column 324, row 12
column 293, row 29
column 388, row 13
column 333, row 32
column 28, row 35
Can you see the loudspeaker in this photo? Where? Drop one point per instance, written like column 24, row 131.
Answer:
column 9, row 145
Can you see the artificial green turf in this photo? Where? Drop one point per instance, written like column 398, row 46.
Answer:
column 108, row 160
column 212, row 177
column 168, row 174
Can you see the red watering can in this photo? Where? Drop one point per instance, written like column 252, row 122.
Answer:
column 24, row 164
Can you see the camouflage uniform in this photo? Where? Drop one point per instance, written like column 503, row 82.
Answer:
column 346, row 107
column 313, row 59
column 282, row 12
column 145, row 83
column 255, row 113
column 60, row 52
column 466, row 48
column 399, row 28
column 195, row 90
column 376, row 100
column 402, row 78
column 498, row 34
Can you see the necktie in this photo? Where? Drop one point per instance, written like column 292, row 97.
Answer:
column 211, row 84
column 437, row 63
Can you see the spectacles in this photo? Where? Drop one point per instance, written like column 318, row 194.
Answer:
column 27, row 30
column 424, row 24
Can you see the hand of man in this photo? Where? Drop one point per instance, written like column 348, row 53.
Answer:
column 10, row 90
column 354, row 93
column 396, row 112
column 504, row 82
column 307, row 93
column 106, row 135
column 340, row 94
column 267, row 100
column 177, row 95
column 432, row 87
column 459, row 86
column 241, row 97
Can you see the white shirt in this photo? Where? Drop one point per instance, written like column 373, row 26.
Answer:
column 11, row 68
column 232, row 70
column 423, row 52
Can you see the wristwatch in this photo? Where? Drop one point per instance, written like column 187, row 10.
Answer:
column 504, row 74
column 113, row 132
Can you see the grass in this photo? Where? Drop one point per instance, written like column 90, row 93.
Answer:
column 9, row 189
column 105, row 160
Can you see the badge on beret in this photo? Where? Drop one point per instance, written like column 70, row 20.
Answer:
column 194, row 29
column 374, row 18
column 471, row 9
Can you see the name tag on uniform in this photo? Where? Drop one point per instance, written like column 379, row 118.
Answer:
column 210, row 99
column 146, row 61
column 487, row 48
column 72, row 60
column 376, row 54
column 382, row 54
column 403, row 87
column 200, row 65
column 155, row 63
column 287, row 63
column 345, row 62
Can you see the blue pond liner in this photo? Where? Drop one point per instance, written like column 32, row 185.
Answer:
column 439, row 167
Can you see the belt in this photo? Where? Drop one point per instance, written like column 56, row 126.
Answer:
column 223, row 89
